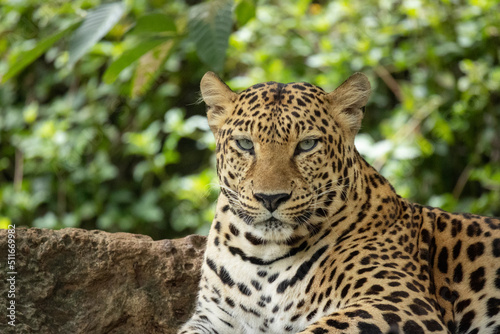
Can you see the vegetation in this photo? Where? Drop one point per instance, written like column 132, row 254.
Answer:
column 99, row 125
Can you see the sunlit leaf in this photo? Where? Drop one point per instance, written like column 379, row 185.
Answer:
column 128, row 57
column 4, row 223
column 210, row 25
column 94, row 27
column 30, row 56
column 148, row 68
column 245, row 11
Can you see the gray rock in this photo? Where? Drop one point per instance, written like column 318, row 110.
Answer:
column 79, row 281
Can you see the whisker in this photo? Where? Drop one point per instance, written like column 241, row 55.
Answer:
column 330, row 183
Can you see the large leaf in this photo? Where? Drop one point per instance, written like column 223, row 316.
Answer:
column 210, row 25
column 154, row 23
column 245, row 11
column 30, row 56
column 148, row 68
column 94, row 27
column 128, row 57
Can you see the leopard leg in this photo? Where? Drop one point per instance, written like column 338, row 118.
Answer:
column 198, row 324
column 205, row 321
column 379, row 318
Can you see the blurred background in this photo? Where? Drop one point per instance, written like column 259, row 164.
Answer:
column 100, row 125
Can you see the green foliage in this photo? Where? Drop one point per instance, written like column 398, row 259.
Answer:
column 95, row 26
column 158, row 23
column 210, row 25
column 245, row 10
column 130, row 56
column 99, row 126
column 28, row 57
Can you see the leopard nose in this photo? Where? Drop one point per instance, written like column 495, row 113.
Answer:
column 272, row 201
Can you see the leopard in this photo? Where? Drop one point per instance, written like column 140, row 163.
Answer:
column 309, row 238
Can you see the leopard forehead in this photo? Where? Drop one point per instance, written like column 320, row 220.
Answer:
column 278, row 97
column 273, row 111
column 275, row 91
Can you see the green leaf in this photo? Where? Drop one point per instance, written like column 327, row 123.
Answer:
column 210, row 25
column 94, row 27
column 154, row 23
column 245, row 11
column 148, row 69
column 30, row 56
column 128, row 57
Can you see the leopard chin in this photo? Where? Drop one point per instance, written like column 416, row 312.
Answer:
column 273, row 223
column 274, row 229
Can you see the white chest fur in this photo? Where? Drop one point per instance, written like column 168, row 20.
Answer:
column 270, row 298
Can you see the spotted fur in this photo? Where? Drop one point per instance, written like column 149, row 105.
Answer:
column 309, row 238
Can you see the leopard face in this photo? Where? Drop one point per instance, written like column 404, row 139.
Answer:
column 279, row 162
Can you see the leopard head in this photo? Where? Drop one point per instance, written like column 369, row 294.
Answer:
column 285, row 152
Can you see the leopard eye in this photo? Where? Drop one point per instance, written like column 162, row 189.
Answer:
column 245, row 144
column 307, row 145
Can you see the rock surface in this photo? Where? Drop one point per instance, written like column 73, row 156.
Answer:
column 79, row 281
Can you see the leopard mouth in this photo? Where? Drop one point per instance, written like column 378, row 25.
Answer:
column 273, row 221
column 270, row 222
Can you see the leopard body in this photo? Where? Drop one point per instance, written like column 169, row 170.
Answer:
column 309, row 238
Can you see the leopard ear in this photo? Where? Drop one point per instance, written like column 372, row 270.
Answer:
column 219, row 99
column 349, row 100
